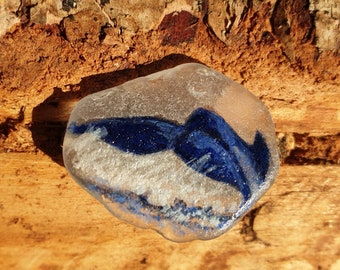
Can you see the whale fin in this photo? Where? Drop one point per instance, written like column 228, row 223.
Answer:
column 210, row 146
column 203, row 154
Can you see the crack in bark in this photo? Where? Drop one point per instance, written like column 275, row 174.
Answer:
column 9, row 124
column 247, row 230
column 100, row 6
column 305, row 149
column 24, row 11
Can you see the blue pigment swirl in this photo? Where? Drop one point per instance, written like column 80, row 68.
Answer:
column 205, row 142
column 139, row 205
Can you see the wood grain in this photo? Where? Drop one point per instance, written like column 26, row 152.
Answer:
column 49, row 222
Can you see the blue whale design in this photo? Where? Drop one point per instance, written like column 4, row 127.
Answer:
column 205, row 142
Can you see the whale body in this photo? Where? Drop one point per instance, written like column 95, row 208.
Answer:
column 205, row 142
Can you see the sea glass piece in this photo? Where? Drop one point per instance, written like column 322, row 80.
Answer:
column 184, row 151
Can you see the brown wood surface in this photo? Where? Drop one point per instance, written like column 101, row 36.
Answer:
column 49, row 222
column 285, row 52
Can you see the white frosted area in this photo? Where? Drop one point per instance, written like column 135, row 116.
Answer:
column 158, row 175
column 170, row 94
column 163, row 177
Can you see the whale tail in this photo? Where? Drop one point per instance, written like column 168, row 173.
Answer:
column 261, row 155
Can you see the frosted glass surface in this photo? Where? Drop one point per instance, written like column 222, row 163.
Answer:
column 185, row 151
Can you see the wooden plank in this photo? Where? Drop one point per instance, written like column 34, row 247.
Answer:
column 49, row 222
